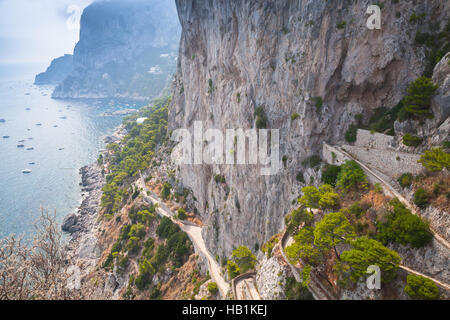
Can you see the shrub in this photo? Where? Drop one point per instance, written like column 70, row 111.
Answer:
column 421, row 198
column 318, row 102
column 351, row 176
column 405, row 180
column 411, row 141
column 312, row 161
column 244, row 258
column 181, row 214
column 418, row 100
column 284, row 159
column 295, row 291
column 299, row 177
column 212, row 288
column 341, row 25
column 165, row 192
column 219, row 178
column 261, row 118
column 357, row 210
column 295, row 116
column 330, row 173
column 421, row 288
column 232, row 269
column 435, row 159
column 350, row 134
column 401, row 226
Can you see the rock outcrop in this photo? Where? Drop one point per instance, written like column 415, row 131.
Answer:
column 315, row 59
column 58, row 70
column 126, row 49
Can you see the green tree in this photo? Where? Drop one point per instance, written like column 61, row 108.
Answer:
column 421, row 198
column 232, row 269
column 296, row 218
column 332, row 230
column 421, row 288
column 366, row 252
column 310, row 197
column 212, row 288
column 329, row 200
column 304, row 248
column 418, row 100
column 330, row 174
column 351, row 176
column 435, row 159
column 165, row 192
column 401, row 226
column 244, row 258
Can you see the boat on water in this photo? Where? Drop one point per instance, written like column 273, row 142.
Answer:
column 63, row 117
column 21, row 141
column 20, row 146
column 55, row 126
column 31, row 163
column 5, row 137
column 39, row 124
column 28, row 109
column 26, row 171
column 61, row 149
column 30, row 148
column 2, row 120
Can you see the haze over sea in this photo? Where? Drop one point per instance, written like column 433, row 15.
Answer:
column 70, row 136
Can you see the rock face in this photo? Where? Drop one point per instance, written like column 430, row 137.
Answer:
column 58, row 70
column 126, row 49
column 282, row 55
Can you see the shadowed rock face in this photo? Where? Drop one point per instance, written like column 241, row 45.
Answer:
column 237, row 55
column 58, row 70
column 126, row 49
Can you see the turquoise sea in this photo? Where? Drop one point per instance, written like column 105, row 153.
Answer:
column 59, row 137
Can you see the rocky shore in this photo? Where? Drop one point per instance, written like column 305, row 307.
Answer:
column 82, row 249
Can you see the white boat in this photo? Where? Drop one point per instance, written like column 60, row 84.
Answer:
column 29, row 148
column 26, row 171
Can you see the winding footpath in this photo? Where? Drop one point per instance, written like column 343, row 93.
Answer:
column 193, row 231
column 410, row 206
column 392, row 190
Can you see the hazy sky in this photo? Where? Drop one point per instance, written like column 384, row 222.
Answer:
column 38, row 30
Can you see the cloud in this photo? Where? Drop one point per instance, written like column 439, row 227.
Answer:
column 37, row 30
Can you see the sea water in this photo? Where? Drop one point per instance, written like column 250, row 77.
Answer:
column 64, row 135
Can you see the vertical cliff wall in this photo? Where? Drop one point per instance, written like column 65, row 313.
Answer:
column 126, row 49
column 314, row 58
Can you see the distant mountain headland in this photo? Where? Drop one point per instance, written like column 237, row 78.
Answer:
column 126, row 50
column 58, row 70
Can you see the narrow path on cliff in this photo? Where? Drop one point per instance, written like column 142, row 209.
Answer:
column 409, row 205
column 195, row 234
column 391, row 189
column 442, row 284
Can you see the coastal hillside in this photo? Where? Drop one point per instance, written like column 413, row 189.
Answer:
column 126, row 49
column 311, row 69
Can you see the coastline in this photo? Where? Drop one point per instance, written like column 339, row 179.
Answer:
column 83, row 226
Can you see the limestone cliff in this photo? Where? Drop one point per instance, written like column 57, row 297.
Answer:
column 313, row 58
column 58, row 70
column 126, row 49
